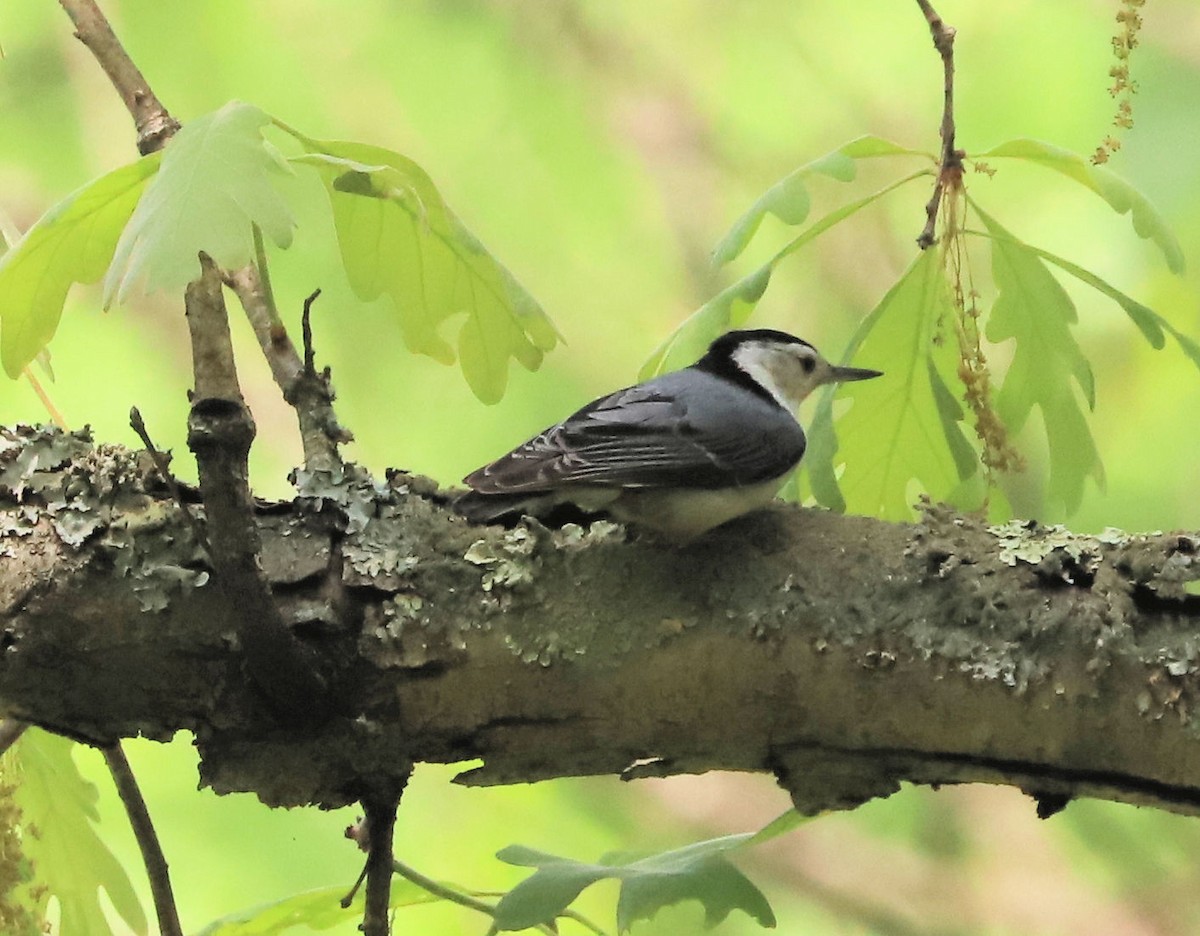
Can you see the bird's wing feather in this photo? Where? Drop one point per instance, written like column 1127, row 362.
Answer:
column 646, row 437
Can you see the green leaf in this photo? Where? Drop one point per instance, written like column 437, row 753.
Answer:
column 544, row 895
column 731, row 307
column 73, row 242
column 788, row 198
column 1034, row 310
column 1149, row 323
column 398, row 236
column 214, row 184
column 1119, row 194
column 59, row 811
column 727, row 309
column 905, row 425
column 699, row 871
column 713, row 881
column 316, row 910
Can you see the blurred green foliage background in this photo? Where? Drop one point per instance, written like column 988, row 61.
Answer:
column 600, row 149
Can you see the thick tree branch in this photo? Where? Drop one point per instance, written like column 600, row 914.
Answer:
column 842, row 654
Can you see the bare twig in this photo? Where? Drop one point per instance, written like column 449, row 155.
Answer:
column 950, row 169
column 138, row 425
column 310, row 356
column 154, row 124
column 147, row 839
column 307, row 391
column 220, row 432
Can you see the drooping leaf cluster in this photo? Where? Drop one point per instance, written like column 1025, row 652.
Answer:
column 147, row 223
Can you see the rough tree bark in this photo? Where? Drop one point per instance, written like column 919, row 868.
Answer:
column 843, row 654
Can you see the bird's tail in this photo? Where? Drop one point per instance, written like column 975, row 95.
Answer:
column 489, row 508
column 508, row 509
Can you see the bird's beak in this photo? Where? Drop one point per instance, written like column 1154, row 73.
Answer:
column 851, row 373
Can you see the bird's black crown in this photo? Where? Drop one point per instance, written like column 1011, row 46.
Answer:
column 718, row 360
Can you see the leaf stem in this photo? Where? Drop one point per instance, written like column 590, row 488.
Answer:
column 441, row 890
column 56, row 416
column 264, row 276
column 451, row 895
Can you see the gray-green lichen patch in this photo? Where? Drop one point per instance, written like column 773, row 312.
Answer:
column 401, row 632
column 381, row 555
column 573, row 536
column 30, row 457
column 157, row 553
column 545, row 648
column 1167, row 567
column 385, row 529
column 98, row 493
column 347, row 488
column 508, row 562
column 1053, row 550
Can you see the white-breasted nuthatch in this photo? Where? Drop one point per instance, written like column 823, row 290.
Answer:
column 679, row 454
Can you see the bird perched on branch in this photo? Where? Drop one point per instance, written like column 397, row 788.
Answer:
column 679, row 454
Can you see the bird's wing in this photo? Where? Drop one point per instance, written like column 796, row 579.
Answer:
column 645, row 437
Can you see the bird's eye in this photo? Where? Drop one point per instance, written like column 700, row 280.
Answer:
column 807, row 364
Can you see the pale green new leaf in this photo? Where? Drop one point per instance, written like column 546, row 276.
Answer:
column 731, row 307
column 906, row 425
column 214, row 185
column 398, row 237
column 695, row 872
column 1034, row 310
column 788, row 198
column 71, row 243
column 1119, row 194
column 59, row 812
column 315, row 910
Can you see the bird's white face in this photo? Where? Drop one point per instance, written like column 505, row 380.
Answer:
column 791, row 371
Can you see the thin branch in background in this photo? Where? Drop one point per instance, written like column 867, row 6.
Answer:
column 164, row 471
column 55, row 415
column 951, row 166
column 147, row 839
column 154, row 124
